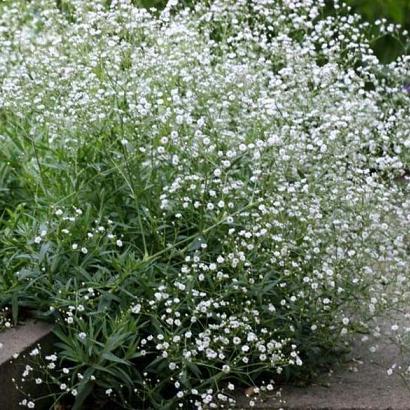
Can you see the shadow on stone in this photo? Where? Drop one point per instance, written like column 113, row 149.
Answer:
column 20, row 340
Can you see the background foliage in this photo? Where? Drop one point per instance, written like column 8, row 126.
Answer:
column 395, row 11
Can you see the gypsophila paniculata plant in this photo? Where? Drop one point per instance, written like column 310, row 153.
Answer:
column 202, row 199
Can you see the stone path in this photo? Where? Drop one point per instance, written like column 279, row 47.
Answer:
column 361, row 384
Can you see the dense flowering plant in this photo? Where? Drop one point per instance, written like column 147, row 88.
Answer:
column 201, row 198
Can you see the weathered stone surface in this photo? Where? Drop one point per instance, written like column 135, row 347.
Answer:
column 362, row 384
column 18, row 340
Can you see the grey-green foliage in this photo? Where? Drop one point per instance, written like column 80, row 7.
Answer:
column 197, row 199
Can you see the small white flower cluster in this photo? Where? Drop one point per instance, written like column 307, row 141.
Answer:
column 250, row 151
column 66, row 228
column 5, row 318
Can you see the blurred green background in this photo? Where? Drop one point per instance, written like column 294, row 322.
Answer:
column 395, row 11
column 386, row 48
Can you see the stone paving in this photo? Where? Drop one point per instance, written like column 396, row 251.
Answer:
column 361, row 384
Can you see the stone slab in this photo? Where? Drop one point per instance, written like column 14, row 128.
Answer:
column 362, row 383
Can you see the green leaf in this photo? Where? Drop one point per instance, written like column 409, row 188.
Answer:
column 196, row 243
column 83, row 392
column 44, row 251
column 113, row 358
column 105, row 301
column 62, row 336
column 15, row 308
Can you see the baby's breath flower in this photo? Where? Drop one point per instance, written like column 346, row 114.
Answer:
column 82, row 335
column 252, row 156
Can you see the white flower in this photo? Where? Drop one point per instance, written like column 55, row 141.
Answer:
column 136, row 308
column 282, row 151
